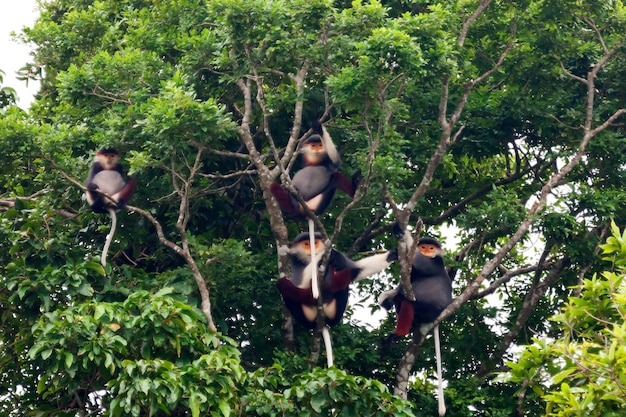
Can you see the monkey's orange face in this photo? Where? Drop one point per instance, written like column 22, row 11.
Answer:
column 316, row 147
column 314, row 152
column 306, row 245
column 302, row 249
column 108, row 160
column 428, row 249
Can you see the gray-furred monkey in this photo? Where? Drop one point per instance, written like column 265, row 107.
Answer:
column 341, row 272
column 432, row 289
column 318, row 180
column 431, row 285
column 107, row 176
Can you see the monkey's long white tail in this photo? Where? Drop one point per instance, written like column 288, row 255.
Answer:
column 314, row 284
column 440, row 400
column 328, row 345
column 107, row 243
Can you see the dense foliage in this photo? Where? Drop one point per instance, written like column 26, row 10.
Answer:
column 582, row 371
column 496, row 126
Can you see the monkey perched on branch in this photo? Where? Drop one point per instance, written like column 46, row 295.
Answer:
column 108, row 190
column 341, row 272
column 318, row 180
column 432, row 289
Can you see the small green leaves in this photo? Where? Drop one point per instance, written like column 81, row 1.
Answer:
column 581, row 372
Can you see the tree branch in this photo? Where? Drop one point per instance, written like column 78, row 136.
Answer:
column 466, row 25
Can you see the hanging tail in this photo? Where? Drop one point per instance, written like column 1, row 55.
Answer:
column 440, row 400
column 328, row 345
column 107, row 243
column 315, row 288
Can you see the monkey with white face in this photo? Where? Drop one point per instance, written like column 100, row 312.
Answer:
column 341, row 272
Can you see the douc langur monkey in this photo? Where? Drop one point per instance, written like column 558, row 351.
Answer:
column 432, row 289
column 108, row 190
column 318, row 180
column 296, row 291
column 341, row 272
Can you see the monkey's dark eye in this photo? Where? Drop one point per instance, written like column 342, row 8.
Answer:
column 427, row 248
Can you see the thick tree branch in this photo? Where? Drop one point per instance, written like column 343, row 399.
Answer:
column 7, row 203
column 540, row 203
column 503, row 279
column 447, row 125
column 185, row 253
column 266, row 177
column 466, row 25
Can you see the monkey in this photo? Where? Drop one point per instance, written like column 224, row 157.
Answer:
column 431, row 286
column 318, row 180
column 432, row 289
column 107, row 190
column 106, row 176
column 341, row 272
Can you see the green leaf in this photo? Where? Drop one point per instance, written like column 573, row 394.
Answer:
column 194, row 405
column 143, row 385
column 318, row 401
column 99, row 311
column 45, row 354
column 69, row 360
column 95, row 267
column 225, row 408
column 42, row 383
column 86, row 290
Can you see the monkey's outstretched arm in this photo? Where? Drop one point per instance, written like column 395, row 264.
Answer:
column 329, row 146
column 375, row 264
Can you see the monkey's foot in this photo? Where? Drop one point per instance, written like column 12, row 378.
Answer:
column 390, row 340
column 385, row 299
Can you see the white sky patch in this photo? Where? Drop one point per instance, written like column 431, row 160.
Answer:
column 13, row 54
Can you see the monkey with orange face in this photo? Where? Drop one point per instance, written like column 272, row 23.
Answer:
column 341, row 272
column 432, row 289
column 108, row 190
column 318, row 180
column 431, row 286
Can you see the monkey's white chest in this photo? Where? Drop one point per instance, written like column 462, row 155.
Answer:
column 109, row 182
